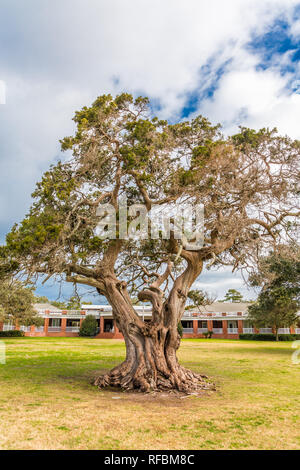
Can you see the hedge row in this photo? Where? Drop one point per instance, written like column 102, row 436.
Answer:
column 269, row 337
column 12, row 334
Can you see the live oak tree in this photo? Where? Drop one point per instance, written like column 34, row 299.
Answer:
column 17, row 304
column 247, row 183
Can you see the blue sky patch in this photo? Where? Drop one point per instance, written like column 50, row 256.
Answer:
column 273, row 43
column 208, row 84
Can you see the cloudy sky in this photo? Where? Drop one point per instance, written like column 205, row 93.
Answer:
column 234, row 61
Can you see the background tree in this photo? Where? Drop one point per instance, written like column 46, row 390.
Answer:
column 16, row 304
column 74, row 302
column 247, row 184
column 41, row 299
column 279, row 269
column 234, row 296
column 58, row 304
column 275, row 309
column 199, row 299
column 278, row 276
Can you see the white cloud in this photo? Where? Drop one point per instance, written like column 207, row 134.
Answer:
column 254, row 97
column 295, row 29
column 218, row 282
column 2, row 92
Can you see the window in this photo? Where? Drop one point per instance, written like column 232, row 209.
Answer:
column 73, row 323
column 108, row 325
column 187, row 324
column 55, row 322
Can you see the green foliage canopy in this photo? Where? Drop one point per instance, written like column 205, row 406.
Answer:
column 16, row 304
column 234, row 296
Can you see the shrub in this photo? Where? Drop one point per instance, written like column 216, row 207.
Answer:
column 12, row 334
column 288, row 337
column 268, row 337
column 257, row 337
column 208, row 334
column 89, row 326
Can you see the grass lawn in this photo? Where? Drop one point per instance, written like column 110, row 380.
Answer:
column 47, row 402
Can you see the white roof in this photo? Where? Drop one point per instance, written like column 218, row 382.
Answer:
column 96, row 307
column 222, row 307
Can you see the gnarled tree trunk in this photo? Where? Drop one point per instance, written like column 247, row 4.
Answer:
column 151, row 362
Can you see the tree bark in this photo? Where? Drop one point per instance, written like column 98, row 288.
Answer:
column 151, row 362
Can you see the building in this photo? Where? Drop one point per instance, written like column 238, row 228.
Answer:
column 225, row 320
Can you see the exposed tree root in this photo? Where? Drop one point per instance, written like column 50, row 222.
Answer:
column 130, row 378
